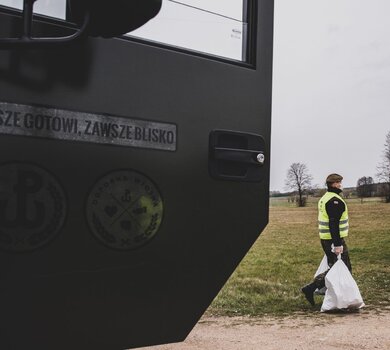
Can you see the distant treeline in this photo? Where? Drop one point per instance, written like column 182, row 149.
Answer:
column 369, row 190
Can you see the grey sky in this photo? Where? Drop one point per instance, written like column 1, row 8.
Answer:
column 331, row 106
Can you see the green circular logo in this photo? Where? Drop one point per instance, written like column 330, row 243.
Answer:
column 124, row 209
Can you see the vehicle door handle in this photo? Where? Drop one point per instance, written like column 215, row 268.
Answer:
column 237, row 156
column 246, row 156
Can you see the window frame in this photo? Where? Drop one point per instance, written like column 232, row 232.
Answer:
column 249, row 36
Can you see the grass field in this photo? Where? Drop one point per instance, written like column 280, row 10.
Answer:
column 288, row 252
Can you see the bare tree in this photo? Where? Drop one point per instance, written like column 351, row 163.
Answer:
column 299, row 180
column 365, row 187
column 384, row 169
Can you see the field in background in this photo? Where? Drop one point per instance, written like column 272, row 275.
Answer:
column 312, row 201
column 288, row 252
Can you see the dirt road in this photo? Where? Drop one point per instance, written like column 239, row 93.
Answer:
column 352, row 331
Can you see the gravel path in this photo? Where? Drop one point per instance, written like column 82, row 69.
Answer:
column 351, row 331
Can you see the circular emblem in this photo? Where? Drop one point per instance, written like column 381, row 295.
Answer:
column 124, row 209
column 32, row 207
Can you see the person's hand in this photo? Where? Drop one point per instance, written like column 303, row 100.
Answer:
column 338, row 250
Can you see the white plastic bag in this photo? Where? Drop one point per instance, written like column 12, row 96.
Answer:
column 321, row 269
column 342, row 291
column 323, row 266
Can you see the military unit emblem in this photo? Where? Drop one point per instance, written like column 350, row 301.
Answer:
column 124, row 209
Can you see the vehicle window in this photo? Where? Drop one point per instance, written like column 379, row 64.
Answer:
column 51, row 8
column 215, row 27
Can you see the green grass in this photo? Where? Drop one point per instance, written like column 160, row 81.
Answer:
column 288, row 252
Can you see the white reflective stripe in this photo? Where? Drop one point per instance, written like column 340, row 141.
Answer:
column 326, row 230
column 324, row 223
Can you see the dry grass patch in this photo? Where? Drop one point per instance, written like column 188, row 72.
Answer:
column 287, row 254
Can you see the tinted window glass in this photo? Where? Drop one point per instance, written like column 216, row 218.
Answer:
column 214, row 27
column 52, row 8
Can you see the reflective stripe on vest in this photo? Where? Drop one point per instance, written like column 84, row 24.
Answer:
column 323, row 218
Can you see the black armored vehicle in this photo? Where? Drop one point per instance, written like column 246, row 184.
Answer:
column 134, row 165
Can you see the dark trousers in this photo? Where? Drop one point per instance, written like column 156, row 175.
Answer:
column 319, row 280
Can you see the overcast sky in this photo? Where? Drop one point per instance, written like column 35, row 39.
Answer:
column 331, row 86
column 331, row 91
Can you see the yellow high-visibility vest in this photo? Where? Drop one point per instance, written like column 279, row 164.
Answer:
column 323, row 218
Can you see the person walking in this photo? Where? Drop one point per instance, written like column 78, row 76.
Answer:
column 333, row 228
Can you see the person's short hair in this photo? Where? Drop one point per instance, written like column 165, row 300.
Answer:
column 332, row 178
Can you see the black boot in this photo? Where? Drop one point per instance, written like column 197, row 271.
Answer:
column 308, row 290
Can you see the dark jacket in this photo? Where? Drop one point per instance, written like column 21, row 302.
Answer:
column 335, row 208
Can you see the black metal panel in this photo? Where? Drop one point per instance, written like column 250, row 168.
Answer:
column 75, row 292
